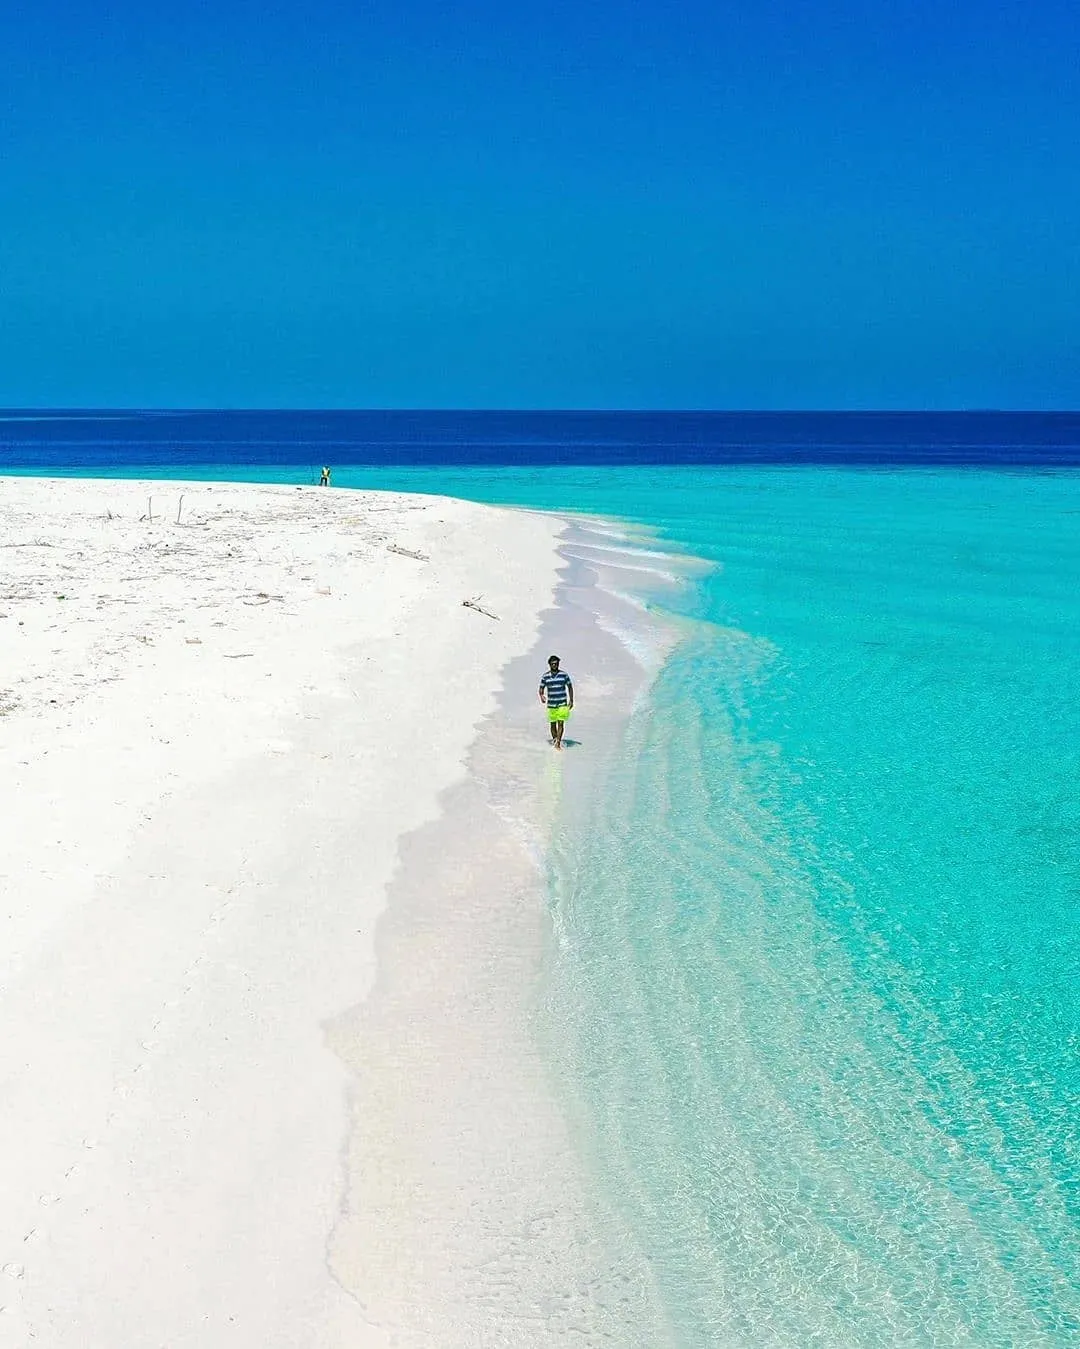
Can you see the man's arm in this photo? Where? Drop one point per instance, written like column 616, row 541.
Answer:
column 570, row 691
column 540, row 692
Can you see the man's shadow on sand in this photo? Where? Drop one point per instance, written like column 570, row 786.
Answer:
column 570, row 744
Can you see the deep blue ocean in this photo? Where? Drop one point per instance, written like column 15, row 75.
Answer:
column 168, row 442
column 822, row 986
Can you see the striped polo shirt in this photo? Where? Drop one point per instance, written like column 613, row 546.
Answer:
column 555, row 688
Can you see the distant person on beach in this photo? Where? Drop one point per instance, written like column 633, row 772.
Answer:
column 324, row 479
column 557, row 693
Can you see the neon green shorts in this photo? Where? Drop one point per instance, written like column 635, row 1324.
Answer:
column 558, row 713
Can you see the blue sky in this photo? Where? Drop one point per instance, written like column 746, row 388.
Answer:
column 758, row 204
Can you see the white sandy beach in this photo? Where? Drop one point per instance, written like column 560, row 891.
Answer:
column 213, row 735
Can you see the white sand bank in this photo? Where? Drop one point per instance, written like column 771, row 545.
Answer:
column 212, row 736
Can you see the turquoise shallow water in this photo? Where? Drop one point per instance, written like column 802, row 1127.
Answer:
column 821, row 974
column 817, row 992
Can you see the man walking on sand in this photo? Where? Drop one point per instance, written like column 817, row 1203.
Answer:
column 557, row 692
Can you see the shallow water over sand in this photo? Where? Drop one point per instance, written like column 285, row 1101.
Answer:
column 818, row 987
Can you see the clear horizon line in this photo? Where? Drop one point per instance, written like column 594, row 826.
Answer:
column 128, row 409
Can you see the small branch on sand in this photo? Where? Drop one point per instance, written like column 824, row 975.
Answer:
column 475, row 604
column 239, row 655
column 407, row 552
column 150, row 509
column 179, row 507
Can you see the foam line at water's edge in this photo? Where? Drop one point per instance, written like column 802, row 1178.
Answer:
column 471, row 1216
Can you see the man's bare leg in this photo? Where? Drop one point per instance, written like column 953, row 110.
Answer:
column 559, row 727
